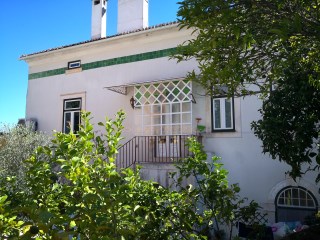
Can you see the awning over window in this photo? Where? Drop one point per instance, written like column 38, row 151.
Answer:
column 122, row 88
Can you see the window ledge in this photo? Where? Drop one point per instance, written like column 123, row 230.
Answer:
column 223, row 130
column 223, row 134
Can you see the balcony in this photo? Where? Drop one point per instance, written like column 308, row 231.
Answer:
column 153, row 149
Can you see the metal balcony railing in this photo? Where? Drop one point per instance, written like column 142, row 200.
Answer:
column 152, row 149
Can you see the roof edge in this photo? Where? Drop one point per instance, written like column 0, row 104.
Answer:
column 158, row 26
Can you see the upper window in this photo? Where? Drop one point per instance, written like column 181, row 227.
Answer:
column 222, row 114
column 74, row 64
column 71, row 115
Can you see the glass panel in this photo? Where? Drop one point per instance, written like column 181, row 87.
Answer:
column 186, row 107
column 156, row 109
column 228, row 113
column 67, row 122
column 157, row 130
column 302, row 194
column 295, row 193
column 217, row 116
column 74, row 64
column 76, row 122
column 175, row 107
column 72, row 104
column 176, row 129
column 308, row 196
column 166, row 108
column 295, row 202
column 288, row 200
column 164, row 117
column 287, row 193
column 186, row 118
column 176, row 118
column 186, row 129
column 281, row 201
column 166, row 130
column 156, row 119
column 296, row 197
column 310, row 203
column 303, row 202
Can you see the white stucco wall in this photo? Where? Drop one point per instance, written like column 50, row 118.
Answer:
column 260, row 178
column 45, row 95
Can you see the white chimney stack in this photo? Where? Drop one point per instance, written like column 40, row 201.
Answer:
column 99, row 19
column 132, row 15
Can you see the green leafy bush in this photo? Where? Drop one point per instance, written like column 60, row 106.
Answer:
column 217, row 204
column 16, row 145
column 9, row 225
column 75, row 191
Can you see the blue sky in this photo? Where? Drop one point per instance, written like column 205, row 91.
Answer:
column 32, row 26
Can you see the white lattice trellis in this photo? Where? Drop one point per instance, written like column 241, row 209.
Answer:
column 163, row 92
column 164, row 108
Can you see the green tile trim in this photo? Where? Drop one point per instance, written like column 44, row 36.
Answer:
column 109, row 62
column 47, row 73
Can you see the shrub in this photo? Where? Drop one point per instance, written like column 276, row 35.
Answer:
column 16, row 145
column 217, row 204
column 75, row 191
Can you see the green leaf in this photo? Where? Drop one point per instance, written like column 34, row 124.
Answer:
column 72, row 224
column 136, row 208
column 55, row 186
column 3, row 199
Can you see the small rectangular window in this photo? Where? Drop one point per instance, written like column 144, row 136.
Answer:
column 222, row 114
column 74, row 64
column 71, row 115
column 72, row 104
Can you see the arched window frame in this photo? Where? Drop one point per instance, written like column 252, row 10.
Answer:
column 293, row 200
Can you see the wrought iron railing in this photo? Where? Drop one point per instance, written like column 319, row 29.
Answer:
column 152, row 149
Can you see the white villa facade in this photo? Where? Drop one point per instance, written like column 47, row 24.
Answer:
column 132, row 70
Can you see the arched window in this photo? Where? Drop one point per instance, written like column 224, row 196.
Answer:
column 295, row 204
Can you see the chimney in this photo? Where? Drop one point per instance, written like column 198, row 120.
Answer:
column 132, row 15
column 99, row 19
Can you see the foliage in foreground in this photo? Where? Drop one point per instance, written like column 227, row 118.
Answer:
column 17, row 144
column 240, row 42
column 218, row 205
column 9, row 225
column 290, row 128
column 251, row 46
column 77, row 192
